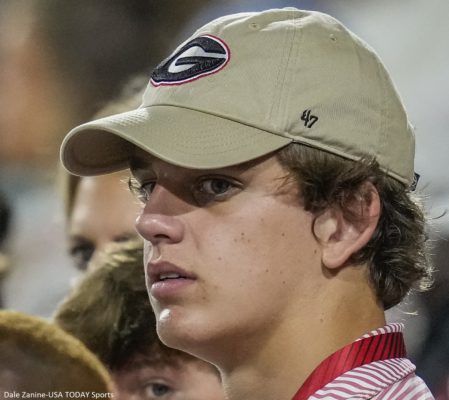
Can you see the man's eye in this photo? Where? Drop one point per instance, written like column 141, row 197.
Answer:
column 158, row 390
column 215, row 186
column 211, row 189
column 141, row 190
column 81, row 254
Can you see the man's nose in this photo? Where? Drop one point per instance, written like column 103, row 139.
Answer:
column 160, row 219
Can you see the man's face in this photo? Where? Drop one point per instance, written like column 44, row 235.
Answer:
column 233, row 251
column 186, row 380
column 103, row 213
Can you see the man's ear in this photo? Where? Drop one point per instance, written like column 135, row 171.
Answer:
column 343, row 234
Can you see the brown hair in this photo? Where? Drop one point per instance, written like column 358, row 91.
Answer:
column 39, row 356
column 397, row 254
column 110, row 311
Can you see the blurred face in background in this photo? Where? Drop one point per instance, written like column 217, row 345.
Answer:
column 104, row 211
column 34, row 101
column 184, row 380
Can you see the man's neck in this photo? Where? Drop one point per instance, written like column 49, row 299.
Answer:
column 277, row 366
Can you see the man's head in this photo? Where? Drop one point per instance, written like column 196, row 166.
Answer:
column 248, row 102
column 248, row 84
column 103, row 212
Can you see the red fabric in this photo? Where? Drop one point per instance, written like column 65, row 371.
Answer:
column 356, row 354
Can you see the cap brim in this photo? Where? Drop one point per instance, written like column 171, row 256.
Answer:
column 180, row 136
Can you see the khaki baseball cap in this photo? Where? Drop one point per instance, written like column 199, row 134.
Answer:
column 248, row 84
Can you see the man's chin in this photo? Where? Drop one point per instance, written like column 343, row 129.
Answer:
column 178, row 331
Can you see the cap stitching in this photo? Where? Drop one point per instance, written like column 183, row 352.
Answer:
column 281, row 78
column 292, row 55
column 382, row 136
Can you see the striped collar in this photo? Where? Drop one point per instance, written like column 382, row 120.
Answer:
column 365, row 367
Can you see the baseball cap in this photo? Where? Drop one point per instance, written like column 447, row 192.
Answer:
column 248, row 84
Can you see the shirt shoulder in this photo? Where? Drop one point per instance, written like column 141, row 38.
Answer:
column 392, row 379
column 411, row 387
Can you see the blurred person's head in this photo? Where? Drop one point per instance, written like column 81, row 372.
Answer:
column 100, row 210
column 110, row 312
column 103, row 212
column 37, row 356
column 63, row 60
column 34, row 99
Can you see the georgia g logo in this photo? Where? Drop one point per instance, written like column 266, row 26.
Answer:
column 200, row 57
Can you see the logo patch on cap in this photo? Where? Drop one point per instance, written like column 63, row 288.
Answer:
column 202, row 56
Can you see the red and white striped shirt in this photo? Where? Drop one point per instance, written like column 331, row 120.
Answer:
column 373, row 367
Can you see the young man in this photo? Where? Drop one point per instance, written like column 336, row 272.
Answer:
column 274, row 159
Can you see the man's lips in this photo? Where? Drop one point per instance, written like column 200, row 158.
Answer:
column 167, row 281
column 161, row 271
